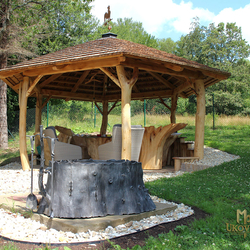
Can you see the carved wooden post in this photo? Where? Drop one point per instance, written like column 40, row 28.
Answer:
column 22, row 123
column 126, row 89
column 174, row 100
column 104, row 117
column 199, row 119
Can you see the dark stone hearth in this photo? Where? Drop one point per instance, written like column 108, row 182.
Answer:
column 91, row 188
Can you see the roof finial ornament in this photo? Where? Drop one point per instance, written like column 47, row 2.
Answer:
column 107, row 18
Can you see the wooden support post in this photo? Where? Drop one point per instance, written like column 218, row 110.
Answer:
column 22, row 123
column 174, row 100
column 104, row 117
column 38, row 119
column 104, row 112
column 126, row 89
column 199, row 119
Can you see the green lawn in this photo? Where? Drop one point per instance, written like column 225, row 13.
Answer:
column 220, row 191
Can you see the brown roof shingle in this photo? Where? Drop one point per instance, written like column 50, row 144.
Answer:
column 107, row 47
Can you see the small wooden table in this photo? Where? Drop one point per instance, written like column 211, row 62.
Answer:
column 89, row 144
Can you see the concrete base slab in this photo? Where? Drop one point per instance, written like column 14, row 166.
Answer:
column 17, row 203
column 99, row 223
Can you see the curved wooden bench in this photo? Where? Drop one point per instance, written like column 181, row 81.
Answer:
column 153, row 142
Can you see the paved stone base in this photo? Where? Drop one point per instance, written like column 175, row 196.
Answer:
column 17, row 203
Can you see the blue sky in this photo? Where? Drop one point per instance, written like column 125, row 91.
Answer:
column 172, row 18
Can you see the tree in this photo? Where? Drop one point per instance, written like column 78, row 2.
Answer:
column 167, row 45
column 30, row 28
column 67, row 23
column 129, row 30
column 191, row 45
column 221, row 47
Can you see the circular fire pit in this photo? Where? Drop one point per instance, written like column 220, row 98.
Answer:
column 92, row 188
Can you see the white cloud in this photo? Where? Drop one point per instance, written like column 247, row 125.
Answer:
column 157, row 14
column 240, row 16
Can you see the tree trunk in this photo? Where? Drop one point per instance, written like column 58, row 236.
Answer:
column 3, row 107
column 4, row 23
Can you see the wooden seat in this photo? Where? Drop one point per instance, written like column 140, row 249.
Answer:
column 179, row 160
column 153, row 143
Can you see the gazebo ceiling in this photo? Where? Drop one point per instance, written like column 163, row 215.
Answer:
column 80, row 72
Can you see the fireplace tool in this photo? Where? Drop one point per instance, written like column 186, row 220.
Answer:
column 42, row 170
column 31, row 201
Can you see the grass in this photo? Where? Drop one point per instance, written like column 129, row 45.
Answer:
column 7, row 154
column 9, row 246
column 219, row 191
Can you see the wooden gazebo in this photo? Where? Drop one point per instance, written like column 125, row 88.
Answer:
column 110, row 70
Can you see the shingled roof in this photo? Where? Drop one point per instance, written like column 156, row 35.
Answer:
column 61, row 72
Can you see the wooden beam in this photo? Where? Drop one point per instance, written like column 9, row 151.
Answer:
column 136, row 89
column 45, row 102
column 91, row 79
column 142, row 95
column 104, row 86
column 49, row 80
column 35, row 82
column 76, row 66
column 191, row 84
column 111, row 76
column 159, row 68
column 215, row 75
column 66, row 94
column 181, row 88
column 173, row 67
column 200, row 119
column 16, row 87
column 79, row 82
column 162, row 80
column 38, row 118
column 162, row 102
column 104, row 118
column 96, row 104
column 108, row 97
column 165, row 82
column 22, row 123
column 20, row 93
column 113, row 106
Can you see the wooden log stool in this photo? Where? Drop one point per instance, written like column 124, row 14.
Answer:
column 179, row 160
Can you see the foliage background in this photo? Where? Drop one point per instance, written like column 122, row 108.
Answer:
column 66, row 23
